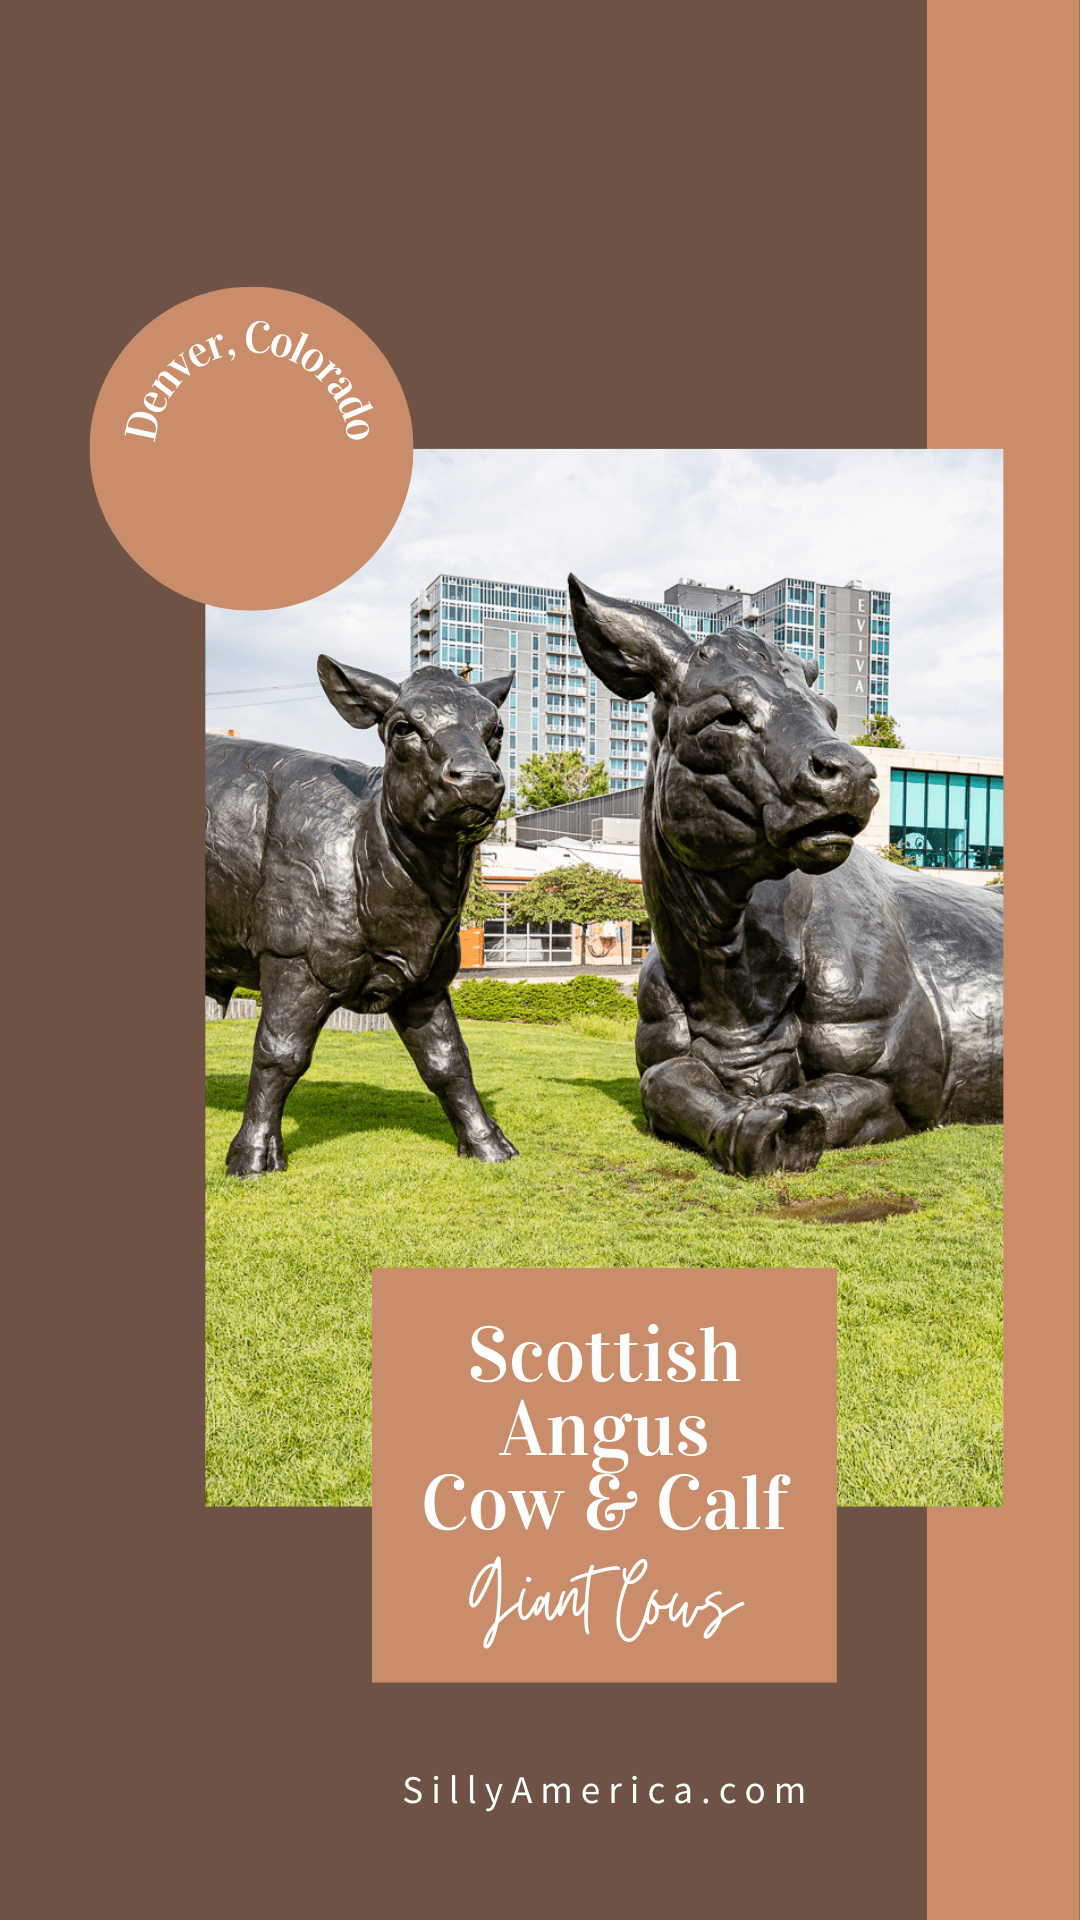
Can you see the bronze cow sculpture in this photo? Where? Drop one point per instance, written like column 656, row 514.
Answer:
column 332, row 884
column 800, row 992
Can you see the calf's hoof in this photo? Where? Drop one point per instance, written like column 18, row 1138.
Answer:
column 247, row 1161
column 771, row 1137
column 493, row 1146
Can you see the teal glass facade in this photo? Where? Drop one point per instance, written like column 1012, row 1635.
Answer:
column 948, row 819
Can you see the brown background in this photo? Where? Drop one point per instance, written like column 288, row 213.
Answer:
column 431, row 1418
column 190, row 1725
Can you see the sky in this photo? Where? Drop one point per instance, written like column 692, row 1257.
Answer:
column 925, row 526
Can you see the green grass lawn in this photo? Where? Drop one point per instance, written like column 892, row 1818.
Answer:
column 374, row 1181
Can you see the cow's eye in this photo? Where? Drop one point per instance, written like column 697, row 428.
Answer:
column 732, row 718
column 402, row 730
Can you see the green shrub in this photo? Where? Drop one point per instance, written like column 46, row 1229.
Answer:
column 540, row 1002
column 544, row 1002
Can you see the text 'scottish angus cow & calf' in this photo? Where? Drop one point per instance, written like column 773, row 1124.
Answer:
column 332, row 884
column 800, row 993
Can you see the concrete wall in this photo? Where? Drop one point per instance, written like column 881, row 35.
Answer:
column 340, row 1020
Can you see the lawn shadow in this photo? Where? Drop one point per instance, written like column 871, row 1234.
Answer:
column 321, row 1110
column 624, row 1092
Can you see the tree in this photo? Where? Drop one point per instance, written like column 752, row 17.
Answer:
column 881, row 731
column 580, row 894
column 895, row 853
column 551, row 779
column 480, row 903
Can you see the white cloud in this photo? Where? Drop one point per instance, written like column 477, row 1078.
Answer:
column 925, row 525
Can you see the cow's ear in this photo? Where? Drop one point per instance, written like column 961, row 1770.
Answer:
column 811, row 670
column 632, row 650
column 496, row 690
column 361, row 698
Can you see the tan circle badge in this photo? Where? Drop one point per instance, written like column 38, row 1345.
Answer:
column 251, row 448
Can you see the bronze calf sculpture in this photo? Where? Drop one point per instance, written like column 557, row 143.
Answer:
column 332, row 884
column 800, row 993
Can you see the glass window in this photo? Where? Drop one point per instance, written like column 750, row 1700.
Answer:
column 996, row 822
column 948, row 820
column 977, row 834
column 915, row 800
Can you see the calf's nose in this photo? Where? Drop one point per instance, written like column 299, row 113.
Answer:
column 468, row 770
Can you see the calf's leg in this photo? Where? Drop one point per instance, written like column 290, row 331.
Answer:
column 428, row 1025
column 294, row 1007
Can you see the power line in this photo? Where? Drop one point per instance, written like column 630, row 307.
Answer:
column 292, row 686
column 241, row 706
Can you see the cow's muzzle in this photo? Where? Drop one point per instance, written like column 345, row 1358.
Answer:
column 833, row 796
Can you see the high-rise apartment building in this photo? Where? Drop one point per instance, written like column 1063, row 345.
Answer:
column 846, row 629
column 497, row 626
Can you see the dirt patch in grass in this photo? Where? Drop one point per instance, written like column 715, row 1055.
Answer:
column 680, row 1175
column 836, row 1210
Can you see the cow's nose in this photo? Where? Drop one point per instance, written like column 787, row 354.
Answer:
column 826, row 766
column 834, row 773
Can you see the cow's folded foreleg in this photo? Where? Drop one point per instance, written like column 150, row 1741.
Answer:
column 294, row 1007
column 787, row 1130
column 856, row 1111
column 428, row 1025
column 684, row 1100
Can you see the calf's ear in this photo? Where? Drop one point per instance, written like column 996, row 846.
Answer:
column 361, row 698
column 810, row 668
column 632, row 650
column 496, row 690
